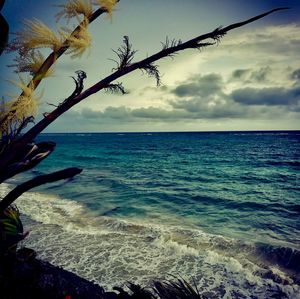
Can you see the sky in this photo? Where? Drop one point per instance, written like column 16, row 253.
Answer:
column 248, row 81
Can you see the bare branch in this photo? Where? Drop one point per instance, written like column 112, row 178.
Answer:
column 50, row 104
column 81, row 75
column 51, row 59
column 35, row 182
column 24, row 124
column 44, row 69
column 125, row 67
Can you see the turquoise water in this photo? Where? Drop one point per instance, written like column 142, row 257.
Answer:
column 218, row 208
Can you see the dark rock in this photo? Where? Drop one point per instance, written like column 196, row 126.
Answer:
column 34, row 278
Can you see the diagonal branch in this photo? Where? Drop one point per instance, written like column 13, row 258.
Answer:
column 51, row 59
column 195, row 43
column 54, row 55
column 35, row 182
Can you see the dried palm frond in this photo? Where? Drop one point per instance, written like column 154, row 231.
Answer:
column 115, row 88
column 108, row 5
column 166, row 289
column 169, row 43
column 78, row 42
column 31, row 63
column 176, row 289
column 125, row 54
column 135, row 292
column 35, row 35
column 74, row 8
column 152, row 70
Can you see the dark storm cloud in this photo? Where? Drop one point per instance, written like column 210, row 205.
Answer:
column 126, row 114
column 207, row 112
column 295, row 75
column 260, row 75
column 110, row 112
column 229, row 110
column 205, row 97
column 200, row 86
column 155, row 113
column 240, row 74
column 267, row 96
column 202, row 95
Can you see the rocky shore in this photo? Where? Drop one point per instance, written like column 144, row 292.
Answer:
column 27, row 277
column 23, row 276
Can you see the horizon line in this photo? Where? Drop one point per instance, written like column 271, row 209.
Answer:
column 139, row 132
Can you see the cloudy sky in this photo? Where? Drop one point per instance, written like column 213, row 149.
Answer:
column 249, row 81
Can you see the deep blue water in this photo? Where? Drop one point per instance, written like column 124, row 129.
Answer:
column 196, row 204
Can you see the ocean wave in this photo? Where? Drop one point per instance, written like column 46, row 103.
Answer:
column 288, row 258
column 283, row 163
column 287, row 208
column 89, row 157
column 112, row 251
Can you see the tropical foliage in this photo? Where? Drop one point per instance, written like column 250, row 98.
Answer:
column 11, row 229
column 18, row 111
column 27, row 44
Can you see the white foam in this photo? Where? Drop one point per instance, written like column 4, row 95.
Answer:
column 178, row 249
column 113, row 251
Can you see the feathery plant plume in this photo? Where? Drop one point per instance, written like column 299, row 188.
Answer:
column 31, row 63
column 27, row 104
column 35, row 35
column 18, row 109
column 78, row 42
column 108, row 5
column 74, row 8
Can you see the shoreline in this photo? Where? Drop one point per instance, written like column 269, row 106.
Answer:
column 35, row 278
column 25, row 276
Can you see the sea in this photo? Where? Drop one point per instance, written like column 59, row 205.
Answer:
column 220, row 210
